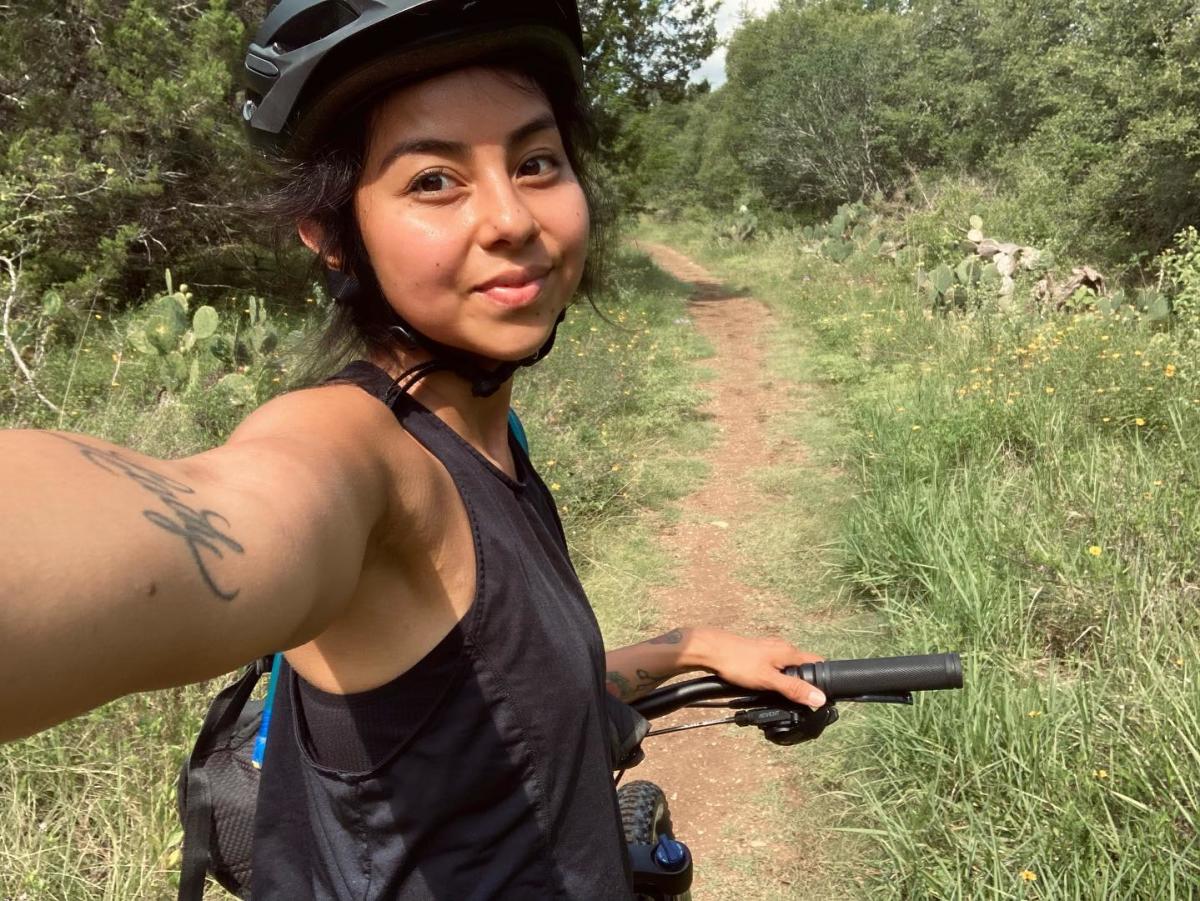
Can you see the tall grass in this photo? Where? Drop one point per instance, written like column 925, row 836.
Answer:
column 1028, row 491
column 87, row 810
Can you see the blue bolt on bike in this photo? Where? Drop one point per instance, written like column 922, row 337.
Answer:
column 662, row 865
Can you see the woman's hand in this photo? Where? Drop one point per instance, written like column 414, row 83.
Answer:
column 757, row 663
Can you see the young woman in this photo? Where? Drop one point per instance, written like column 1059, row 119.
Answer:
column 441, row 729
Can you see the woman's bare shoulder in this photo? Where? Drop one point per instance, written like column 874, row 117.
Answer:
column 344, row 420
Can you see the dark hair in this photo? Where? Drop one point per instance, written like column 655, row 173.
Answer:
column 321, row 189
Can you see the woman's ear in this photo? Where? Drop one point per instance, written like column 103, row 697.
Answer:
column 313, row 237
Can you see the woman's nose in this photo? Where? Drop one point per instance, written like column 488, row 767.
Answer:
column 504, row 215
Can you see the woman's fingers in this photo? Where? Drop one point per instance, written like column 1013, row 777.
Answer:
column 759, row 663
column 797, row 690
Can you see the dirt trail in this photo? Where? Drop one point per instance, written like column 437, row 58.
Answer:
column 716, row 778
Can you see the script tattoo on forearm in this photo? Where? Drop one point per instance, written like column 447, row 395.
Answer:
column 195, row 527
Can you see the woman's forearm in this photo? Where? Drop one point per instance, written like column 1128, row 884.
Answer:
column 755, row 663
column 638, row 668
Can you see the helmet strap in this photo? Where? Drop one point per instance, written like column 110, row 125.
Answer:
column 484, row 382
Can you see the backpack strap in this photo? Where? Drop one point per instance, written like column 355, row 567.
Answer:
column 518, row 430
column 195, row 788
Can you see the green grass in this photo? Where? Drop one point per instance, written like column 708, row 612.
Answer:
column 87, row 810
column 1026, row 489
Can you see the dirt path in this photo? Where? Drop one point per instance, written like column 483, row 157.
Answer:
column 724, row 786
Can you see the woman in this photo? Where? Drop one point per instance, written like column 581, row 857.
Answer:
column 440, row 731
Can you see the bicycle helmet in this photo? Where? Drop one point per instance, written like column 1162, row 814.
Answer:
column 313, row 61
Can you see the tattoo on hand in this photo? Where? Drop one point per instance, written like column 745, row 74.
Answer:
column 193, row 526
column 673, row 637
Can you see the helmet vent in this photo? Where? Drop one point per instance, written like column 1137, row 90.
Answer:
column 310, row 25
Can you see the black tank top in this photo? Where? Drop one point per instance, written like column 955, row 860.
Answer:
column 499, row 783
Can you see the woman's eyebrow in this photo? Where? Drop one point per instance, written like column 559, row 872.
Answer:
column 458, row 149
column 532, row 127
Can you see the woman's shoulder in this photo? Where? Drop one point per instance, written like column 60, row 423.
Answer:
column 349, row 426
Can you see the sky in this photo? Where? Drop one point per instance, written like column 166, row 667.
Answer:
column 713, row 68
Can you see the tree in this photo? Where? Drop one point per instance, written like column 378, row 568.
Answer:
column 638, row 53
column 125, row 153
column 812, row 87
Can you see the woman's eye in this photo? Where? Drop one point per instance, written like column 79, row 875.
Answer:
column 537, row 165
column 430, row 183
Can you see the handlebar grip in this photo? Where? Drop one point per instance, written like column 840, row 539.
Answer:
column 850, row 678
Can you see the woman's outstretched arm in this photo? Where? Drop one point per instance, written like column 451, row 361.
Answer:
column 123, row 573
column 749, row 662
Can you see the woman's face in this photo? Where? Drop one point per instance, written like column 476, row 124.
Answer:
column 472, row 217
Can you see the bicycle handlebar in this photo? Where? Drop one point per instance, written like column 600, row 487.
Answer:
column 880, row 675
column 840, row 680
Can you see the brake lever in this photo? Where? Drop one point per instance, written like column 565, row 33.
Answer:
column 898, row 697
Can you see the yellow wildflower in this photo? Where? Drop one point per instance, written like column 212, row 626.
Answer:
column 1034, row 713
column 1139, row 421
column 1100, row 774
column 554, row 486
column 1169, row 370
column 1095, row 550
column 1029, row 875
column 1049, row 390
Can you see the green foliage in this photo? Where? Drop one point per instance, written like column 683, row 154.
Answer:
column 163, row 331
column 124, row 152
column 1180, row 271
column 838, row 250
column 1078, row 125
column 639, row 54
column 741, row 227
column 808, row 83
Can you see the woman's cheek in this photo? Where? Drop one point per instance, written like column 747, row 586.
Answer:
column 575, row 229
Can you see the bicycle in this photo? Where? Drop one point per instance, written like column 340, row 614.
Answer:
column 661, row 864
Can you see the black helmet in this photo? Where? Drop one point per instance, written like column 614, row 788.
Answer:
column 312, row 60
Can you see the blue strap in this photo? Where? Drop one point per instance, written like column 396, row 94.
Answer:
column 514, row 424
column 264, row 725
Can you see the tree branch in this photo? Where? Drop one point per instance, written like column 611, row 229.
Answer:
column 13, row 277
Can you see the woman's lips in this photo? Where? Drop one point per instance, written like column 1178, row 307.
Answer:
column 515, row 295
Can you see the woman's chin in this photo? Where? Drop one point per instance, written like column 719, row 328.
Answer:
column 516, row 348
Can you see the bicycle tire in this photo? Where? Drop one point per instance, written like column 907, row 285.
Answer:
column 644, row 812
column 644, row 817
